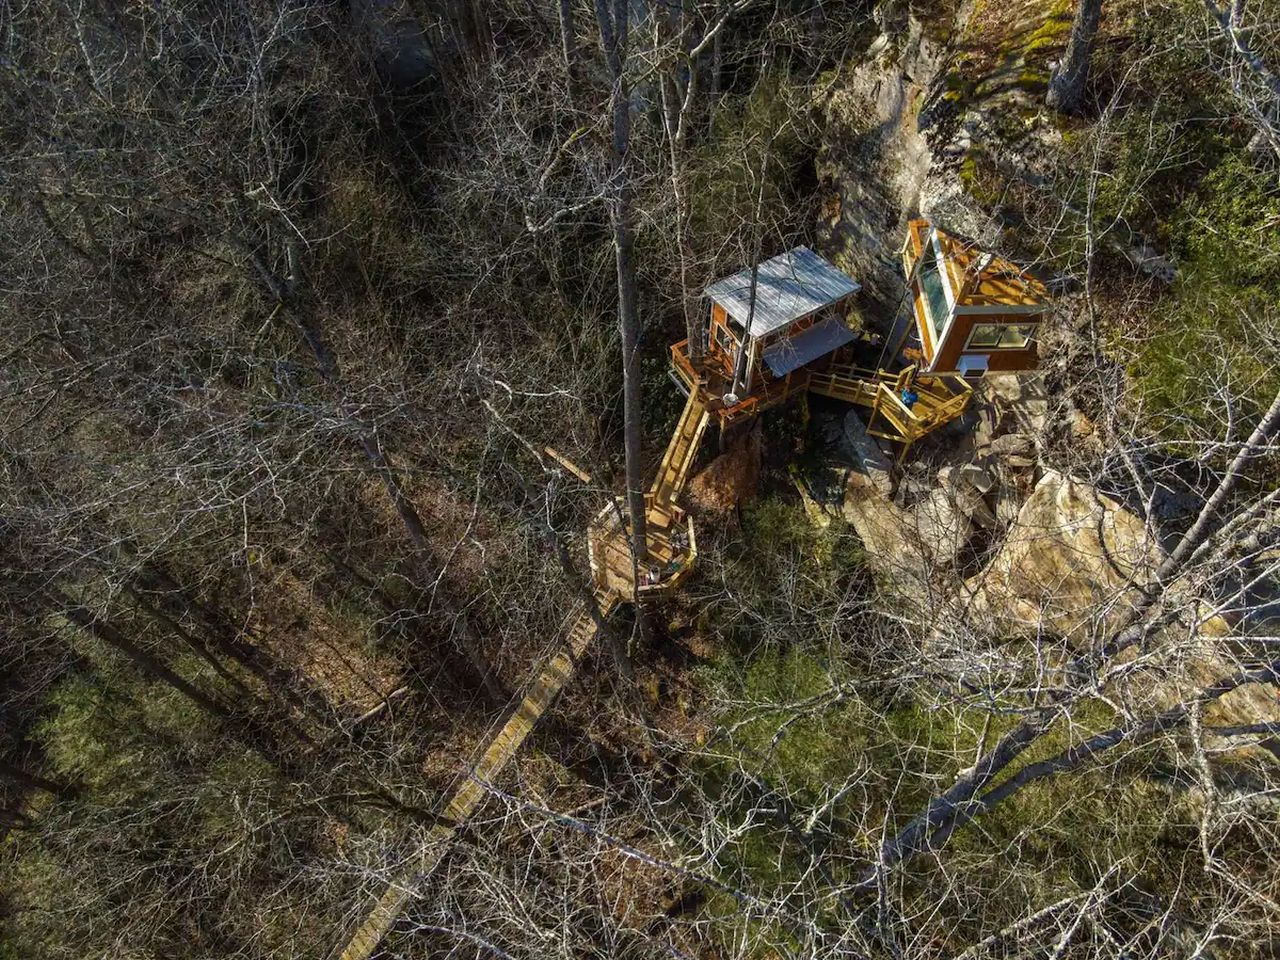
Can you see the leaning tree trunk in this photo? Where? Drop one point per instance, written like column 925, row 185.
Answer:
column 1066, row 86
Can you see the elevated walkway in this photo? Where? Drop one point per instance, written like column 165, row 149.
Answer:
column 469, row 793
column 682, row 450
column 941, row 399
column 618, row 578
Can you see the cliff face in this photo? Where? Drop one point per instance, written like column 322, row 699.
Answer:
column 874, row 158
column 943, row 116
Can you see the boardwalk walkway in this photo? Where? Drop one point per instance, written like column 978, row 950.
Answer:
column 470, row 792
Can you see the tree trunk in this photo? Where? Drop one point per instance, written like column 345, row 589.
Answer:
column 569, row 46
column 1066, row 86
column 613, row 35
column 744, row 348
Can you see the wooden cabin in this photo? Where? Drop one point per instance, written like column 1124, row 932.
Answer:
column 975, row 312
column 796, row 316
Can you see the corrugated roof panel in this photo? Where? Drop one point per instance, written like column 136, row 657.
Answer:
column 790, row 286
column 794, row 352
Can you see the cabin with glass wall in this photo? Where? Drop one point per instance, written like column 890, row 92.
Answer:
column 975, row 312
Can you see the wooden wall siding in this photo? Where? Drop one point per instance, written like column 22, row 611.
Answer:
column 952, row 348
column 759, row 373
column 720, row 319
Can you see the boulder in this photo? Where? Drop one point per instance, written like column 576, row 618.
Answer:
column 1069, row 564
column 868, row 459
column 1020, row 401
column 1080, row 425
column 940, row 526
column 1008, row 506
column 978, row 477
column 1013, row 444
column 965, row 496
column 888, row 535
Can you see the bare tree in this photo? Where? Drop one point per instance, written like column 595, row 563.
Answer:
column 613, row 25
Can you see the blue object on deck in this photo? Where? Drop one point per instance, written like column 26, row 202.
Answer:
column 909, row 398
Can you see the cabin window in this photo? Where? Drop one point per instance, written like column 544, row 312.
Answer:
column 1001, row 336
column 931, row 283
column 724, row 340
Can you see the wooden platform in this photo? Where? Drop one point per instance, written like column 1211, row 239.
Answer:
column 669, row 537
column 941, row 398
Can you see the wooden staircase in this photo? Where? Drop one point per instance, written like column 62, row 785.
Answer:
column 682, row 450
column 469, row 792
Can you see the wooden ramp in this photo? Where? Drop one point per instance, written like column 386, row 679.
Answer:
column 469, row 793
column 682, row 450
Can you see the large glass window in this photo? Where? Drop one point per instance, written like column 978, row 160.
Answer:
column 1001, row 336
column 931, row 282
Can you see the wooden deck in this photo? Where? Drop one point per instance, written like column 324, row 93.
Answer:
column 682, row 450
column 941, row 400
column 669, row 537
column 713, row 386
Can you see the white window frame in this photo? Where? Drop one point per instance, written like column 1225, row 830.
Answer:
column 969, row 344
column 940, row 264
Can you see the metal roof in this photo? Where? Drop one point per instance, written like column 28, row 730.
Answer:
column 790, row 286
column 792, row 353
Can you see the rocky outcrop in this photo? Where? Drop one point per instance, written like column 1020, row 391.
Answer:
column 731, row 480
column 943, row 116
column 873, row 161
column 1071, row 564
column 868, row 459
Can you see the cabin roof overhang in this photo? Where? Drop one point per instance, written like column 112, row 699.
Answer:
column 792, row 353
column 789, row 287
